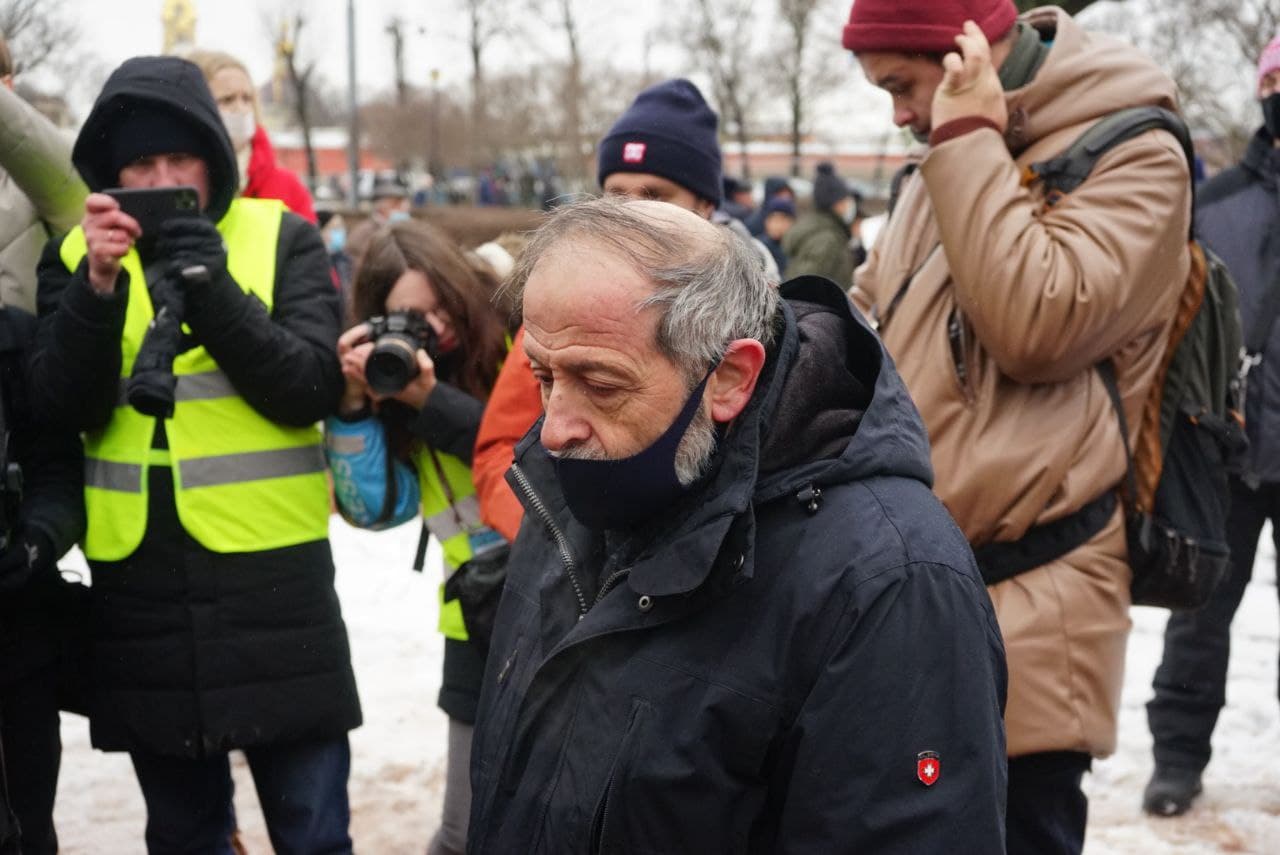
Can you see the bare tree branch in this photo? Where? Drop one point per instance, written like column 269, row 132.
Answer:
column 38, row 31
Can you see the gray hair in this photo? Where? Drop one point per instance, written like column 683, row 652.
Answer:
column 709, row 283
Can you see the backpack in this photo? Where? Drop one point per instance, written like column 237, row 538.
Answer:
column 1176, row 495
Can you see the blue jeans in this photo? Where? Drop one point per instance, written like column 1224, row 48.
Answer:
column 302, row 788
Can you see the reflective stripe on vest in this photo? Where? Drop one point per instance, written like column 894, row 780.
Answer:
column 452, row 524
column 242, row 483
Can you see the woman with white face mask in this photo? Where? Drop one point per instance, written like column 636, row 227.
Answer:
column 260, row 176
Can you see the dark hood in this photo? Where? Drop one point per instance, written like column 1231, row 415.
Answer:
column 1262, row 157
column 166, row 82
column 835, row 409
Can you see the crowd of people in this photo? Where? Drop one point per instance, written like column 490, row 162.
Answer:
column 755, row 538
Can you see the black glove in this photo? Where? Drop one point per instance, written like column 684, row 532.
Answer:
column 29, row 553
column 186, row 243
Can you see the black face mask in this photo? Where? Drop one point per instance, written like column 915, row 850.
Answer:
column 1271, row 114
column 619, row 494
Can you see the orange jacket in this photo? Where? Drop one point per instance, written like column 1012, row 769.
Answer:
column 514, row 405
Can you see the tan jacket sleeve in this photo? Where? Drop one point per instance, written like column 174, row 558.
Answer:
column 865, row 283
column 37, row 157
column 1051, row 292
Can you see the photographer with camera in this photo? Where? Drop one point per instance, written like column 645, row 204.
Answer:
column 193, row 344
column 41, row 517
column 419, row 366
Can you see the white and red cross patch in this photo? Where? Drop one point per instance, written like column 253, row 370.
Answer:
column 928, row 767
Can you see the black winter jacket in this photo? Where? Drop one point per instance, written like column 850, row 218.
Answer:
column 52, row 505
column 767, row 670
column 1238, row 217
column 196, row 651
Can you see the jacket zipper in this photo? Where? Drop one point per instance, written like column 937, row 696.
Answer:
column 614, row 578
column 562, row 543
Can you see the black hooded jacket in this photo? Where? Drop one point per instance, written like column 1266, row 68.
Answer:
column 52, row 508
column 1238, row 217
column 196, row 651
column 779, row 666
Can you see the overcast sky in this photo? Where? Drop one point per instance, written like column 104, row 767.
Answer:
column 616, row 32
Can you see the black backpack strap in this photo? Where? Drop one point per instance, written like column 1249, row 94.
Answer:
column 1068, row 170
column 1107, row 371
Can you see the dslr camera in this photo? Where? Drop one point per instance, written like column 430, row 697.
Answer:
column 397, row 337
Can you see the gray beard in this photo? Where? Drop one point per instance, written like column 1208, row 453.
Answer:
column 696, row 448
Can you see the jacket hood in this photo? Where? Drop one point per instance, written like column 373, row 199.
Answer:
column 835, row 409
column 1085, row 77
column 168, row 83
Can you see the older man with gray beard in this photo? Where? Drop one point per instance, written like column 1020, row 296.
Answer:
column 736, row 618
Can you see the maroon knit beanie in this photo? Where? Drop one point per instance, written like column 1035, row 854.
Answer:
column 923, row 26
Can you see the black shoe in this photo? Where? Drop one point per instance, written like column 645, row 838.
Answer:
column 1170, row 791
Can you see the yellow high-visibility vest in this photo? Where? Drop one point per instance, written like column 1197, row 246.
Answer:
column 452, row 515
column 242, row 483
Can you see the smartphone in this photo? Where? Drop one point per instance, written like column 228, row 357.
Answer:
column 152, row 206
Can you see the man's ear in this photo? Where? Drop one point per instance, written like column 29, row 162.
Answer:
column 734, row 380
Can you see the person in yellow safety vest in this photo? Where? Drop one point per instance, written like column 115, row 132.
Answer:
column 216, row 625
column 401, row 442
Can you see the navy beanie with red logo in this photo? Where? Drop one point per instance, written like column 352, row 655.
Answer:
column 668, row 131
column 923, row 26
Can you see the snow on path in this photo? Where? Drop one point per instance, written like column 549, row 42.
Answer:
column 398, row 755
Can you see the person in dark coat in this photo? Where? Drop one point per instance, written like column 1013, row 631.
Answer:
column 779, row 217
column 1237, row 216
column 215, row 621
column 40, row 519
column 819, row 242
column 736, row 619
column 775, row 187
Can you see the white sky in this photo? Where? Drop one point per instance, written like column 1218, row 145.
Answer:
column 436, row 29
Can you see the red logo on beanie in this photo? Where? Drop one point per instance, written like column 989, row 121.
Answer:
column 928, row 767
column 633, row 152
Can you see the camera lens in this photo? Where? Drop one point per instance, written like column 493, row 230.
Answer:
column 393, row 363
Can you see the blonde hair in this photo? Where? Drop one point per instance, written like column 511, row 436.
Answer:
column 210, row 62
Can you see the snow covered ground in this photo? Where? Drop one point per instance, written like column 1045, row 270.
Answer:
column 398, row 756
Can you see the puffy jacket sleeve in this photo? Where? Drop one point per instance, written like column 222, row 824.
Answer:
column 37, row 157
column 75, row 364
column 1051, row 293
column 916, row 666
column 372, row 488
column 449, row 421
column 284, row 363
column 514, row 405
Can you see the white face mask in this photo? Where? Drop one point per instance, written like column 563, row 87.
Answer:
column 240, row 127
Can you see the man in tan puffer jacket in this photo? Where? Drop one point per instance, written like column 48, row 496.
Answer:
column 997, row 306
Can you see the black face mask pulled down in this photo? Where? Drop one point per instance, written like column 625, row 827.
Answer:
column 619, row 494
column 1271, row 115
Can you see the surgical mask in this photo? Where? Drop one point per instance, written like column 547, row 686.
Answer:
column 850, row 213
column 337, row 240
column 618, row 494
column 1271, row 114
column 240, row 127
column 397, row 216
